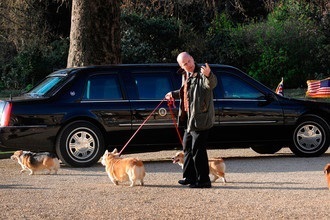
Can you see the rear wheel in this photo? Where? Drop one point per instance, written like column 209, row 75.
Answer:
column 266, row 149
column 80, row 144
column 311, row 137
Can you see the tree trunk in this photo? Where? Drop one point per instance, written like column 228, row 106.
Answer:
column 95, row 33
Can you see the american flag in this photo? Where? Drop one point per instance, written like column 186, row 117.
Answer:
column 279, row 89
column 318, row 88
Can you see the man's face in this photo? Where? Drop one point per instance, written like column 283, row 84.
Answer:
column 187, row 63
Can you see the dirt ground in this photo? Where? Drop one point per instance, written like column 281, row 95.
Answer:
column 279, row 186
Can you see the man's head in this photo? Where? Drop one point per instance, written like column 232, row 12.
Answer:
column 186, row 62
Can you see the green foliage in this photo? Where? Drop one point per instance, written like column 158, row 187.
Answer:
column 138, row 35
column 149, row 40
column 33, row 63
column 293, row 41
column 220, row 23
column 285, row 45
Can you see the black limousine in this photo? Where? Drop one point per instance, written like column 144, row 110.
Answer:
column 77, row 113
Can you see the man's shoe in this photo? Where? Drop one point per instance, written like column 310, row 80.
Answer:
column 185, row 182
column 201, row 185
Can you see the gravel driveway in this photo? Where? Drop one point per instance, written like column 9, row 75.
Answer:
column 278, row 186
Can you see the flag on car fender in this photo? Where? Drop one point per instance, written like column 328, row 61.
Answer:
column 318, row 88
column 279, row 89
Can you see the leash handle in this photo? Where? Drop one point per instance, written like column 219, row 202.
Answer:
column 140, row 127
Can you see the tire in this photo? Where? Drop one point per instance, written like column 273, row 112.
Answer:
column 266, row 149
column 311, row 137
column 80, row 144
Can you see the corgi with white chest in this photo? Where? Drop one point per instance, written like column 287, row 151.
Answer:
column 217, row 166
column 123, row 169
column 36, row 161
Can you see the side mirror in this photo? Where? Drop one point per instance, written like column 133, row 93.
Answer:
column 269, row 97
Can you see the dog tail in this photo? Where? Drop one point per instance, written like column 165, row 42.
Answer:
column 136, row 162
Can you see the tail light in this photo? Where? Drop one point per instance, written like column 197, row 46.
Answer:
column 5, row 117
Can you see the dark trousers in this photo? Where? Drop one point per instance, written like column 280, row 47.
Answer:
column 196, row 166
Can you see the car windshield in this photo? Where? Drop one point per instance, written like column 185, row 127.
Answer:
column 45, row 86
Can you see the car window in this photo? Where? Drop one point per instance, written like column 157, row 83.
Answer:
column 152, row 86
column 103, row 86
column 46, row 85
column 235, row 88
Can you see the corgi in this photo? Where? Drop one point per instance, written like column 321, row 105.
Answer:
column 123, row 169
column 327, row 174
column 36, row 161
column 217, row 166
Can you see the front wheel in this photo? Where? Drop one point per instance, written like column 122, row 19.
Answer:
column 80, row 144
column 311, row 137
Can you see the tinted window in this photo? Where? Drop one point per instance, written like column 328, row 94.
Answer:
column 103, row 86
column 46, row 85
column 153, row 86
column 234, row 87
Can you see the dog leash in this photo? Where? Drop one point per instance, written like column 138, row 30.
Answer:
column 170, row 104
column 140, row 127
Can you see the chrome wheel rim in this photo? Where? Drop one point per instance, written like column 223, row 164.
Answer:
column 309, row 137
column 82, row 144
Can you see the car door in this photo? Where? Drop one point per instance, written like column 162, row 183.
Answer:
column 247, row 112
column 105, row 97
column 149, row 87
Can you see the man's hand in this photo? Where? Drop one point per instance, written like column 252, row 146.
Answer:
column 168, row 96
column 170, row 100
column 206, row 70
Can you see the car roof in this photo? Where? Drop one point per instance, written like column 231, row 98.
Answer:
column 72, row 70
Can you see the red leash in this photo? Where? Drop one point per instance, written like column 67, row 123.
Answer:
column 141, row 126
column 170, row 104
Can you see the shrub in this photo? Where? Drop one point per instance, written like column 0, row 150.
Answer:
column 34, row 63
column 148, row 40
column 285, row 45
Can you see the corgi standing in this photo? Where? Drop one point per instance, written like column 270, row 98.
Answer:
column 123, row 169
column 217, row 166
